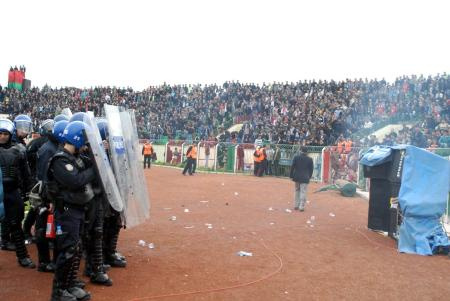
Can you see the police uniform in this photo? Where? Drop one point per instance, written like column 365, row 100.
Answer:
column 70, row 186
column 16, row 182
column 44, row 155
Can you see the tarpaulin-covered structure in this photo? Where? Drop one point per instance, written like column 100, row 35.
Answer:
column 425, row 184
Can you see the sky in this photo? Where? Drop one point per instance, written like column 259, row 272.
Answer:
column 135, row 43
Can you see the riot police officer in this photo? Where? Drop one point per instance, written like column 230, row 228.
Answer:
column 113, row 220
column 22, row 128
column 45, row 131
column 16, row 182
column 44, row 209
column 69, row 184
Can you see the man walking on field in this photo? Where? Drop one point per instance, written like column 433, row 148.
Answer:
column 301, row 171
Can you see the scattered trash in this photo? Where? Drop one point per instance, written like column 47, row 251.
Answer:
column 204, row 201
column 286, row 292
column 234, row 237
column 167, row 208
column 209, row 226
column 186, row 210
column 185, row 275
column 312, row 218
column 270, row 209
column 173, row 218
column 243, row 253
column 254, row 233
column 332, row 214
column 288, row 210
column 223, row 184
column 307, row 202
column 151, row 245
column 271, row 224
column 236, row 193
column 312, row 226
column 188, row 227
column 308, row 222
column 141, row 243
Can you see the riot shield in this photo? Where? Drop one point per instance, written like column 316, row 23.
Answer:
column 124, row 147
column 103, row 166
column 67, row 112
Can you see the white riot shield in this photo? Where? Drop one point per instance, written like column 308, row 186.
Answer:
column 124, row 149
column 104, row 169
column 67, row 112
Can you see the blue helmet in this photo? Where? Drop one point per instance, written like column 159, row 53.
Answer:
column 6, row 125
column 23, row 123
column 103, row 128
column 58, row 130
column 61, row 117
column 46, row 127
column 80, row 116
column 73, row 133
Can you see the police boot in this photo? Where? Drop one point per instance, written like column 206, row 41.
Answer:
column 116, row 260
column 46, row 267
column 21, row 250
column 61, row 294
column 7, row 246
column 101, row 278
column 79, row 293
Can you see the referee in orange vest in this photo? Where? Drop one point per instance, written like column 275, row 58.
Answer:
column 147, row 151
column 191, row 163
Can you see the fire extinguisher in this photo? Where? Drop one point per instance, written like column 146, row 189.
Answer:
column 50, row 231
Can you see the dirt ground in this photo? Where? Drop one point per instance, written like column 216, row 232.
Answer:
column 331, row 257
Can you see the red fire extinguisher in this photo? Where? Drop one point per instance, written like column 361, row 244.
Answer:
column 50, row 231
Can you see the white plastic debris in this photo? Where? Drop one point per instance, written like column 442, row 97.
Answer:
column 312, row 218
column 167, row 208
column 223, row 184
column 186, row 210
column 271, row 224
column 151, row 245
column 204, row 201
column 210, row 227
column 288, row 210
column 270, row 209
column 332, row 214
column 173, row 218
column 308, row 222
column 244, row 253
column 236, row 193
column 188, row 227
column 312, row 226
column 141, row 243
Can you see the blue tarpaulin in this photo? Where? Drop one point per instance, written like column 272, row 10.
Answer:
column 423, row 200
column 425, row 184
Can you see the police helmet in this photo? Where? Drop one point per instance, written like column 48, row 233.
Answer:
column 46, row 127
column 61, row 117
column 6, row 125
column 23, row 123
column 102, row 125
column 58, row 130
column 73, row 133
column 80, row 116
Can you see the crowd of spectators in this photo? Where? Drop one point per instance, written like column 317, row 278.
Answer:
column 308, row 112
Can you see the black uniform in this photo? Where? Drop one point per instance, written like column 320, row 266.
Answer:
column 32, row 151
column 16, row 182
column 43, row 157
column 69, row 185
